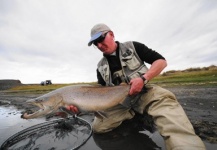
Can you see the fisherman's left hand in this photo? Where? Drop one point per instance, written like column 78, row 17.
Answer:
column 136, row 86
column 73, row 109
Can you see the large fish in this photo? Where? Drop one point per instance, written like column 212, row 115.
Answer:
column 88, row 98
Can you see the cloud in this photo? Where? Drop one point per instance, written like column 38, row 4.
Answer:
column 47, row 39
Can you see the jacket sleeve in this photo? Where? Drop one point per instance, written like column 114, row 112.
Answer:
column 146, row 54
column 99, row 78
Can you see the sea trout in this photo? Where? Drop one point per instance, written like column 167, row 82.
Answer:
column 87, row 98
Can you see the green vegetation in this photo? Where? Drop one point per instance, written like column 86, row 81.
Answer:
column 34, row 88
column 37, row 88
column 191, row 76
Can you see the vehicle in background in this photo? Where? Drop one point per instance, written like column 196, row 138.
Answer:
column 46, row 82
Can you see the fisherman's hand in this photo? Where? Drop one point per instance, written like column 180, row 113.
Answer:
column 136, row 86
column 73, row 109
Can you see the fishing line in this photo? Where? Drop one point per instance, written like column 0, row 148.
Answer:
column 74, row 130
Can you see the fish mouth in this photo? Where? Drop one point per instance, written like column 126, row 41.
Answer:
column 44, row 110
column 47, row 105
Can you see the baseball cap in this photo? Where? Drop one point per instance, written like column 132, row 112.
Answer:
column 97, row 31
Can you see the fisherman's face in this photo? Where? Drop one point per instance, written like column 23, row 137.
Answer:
column 106, row 43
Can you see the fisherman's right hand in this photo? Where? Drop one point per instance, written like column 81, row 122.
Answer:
column 136, row 86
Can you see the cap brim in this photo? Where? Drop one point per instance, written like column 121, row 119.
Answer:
column 94, row 37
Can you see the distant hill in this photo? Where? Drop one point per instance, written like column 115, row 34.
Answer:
column 9, row 83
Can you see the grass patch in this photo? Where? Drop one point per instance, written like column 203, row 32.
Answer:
column 37, row 88
column 201, row 77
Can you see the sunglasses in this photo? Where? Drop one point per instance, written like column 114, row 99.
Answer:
column 100, row 39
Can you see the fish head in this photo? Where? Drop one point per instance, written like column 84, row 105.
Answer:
column 47, row 103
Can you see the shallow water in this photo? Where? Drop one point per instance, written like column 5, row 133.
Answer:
column 11, row 123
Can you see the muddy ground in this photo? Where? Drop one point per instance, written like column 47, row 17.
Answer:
column 200, row 104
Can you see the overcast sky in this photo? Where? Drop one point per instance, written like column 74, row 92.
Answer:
column 47, row 39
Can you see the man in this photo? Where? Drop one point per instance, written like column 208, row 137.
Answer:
column 124, row 62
